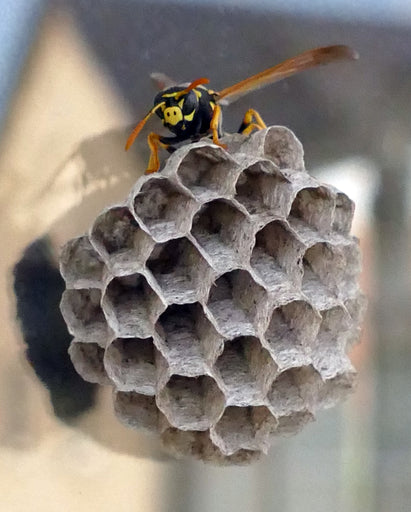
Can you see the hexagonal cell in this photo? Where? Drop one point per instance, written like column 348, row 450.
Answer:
column 313, row 207
column 118, row 237
column 137, row 411
column 263, row 190
column 246, row 428
column 294, row 390
column 245, row 371
column 80, row 265
column 329, row 350
column 181, row 272
column 208, row 172
column 330, row 362
column 291, row 333
column 164, row 209
column 292, row 423
column 131, row 306
column 239, row 458
column 84, row 316
column 349, row 273
column 196, row 444
column 211, row 453
column 277, row 257
column 356, row 307
column 87, row 359
column 283, row 148
column 279, row 144
column 336, row 389
column 319, row 295
column 343, row 213
column 188, row 340
column 191, row 403
column 224, row 234
column 284, row 395
column 335, row 324
column 238, row 304
column 335, row 267
column 130, row 363
column 320, row 265
column 183, row 443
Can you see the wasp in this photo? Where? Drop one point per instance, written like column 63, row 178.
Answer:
column 191, row 111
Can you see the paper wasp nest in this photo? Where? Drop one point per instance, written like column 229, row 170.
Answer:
column 220, row 300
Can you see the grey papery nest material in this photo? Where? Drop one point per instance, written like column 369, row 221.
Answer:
column 220, row 300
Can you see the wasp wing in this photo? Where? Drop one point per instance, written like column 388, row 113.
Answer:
column 306, row 60
column 162, row 81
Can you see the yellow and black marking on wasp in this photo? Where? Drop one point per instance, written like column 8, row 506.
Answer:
column 191, row 111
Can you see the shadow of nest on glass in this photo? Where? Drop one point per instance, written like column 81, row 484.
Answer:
column 98, row 172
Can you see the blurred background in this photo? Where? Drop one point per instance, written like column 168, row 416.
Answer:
column 74, row 77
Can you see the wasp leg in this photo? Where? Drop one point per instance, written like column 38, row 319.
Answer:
column 215, row 126
column 155, row 141
column 249, row 128
column 252, row 121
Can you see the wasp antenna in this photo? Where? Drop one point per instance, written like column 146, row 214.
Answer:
column 199, row 81
column 193, row 85
column 135, row 132
column 140, row 125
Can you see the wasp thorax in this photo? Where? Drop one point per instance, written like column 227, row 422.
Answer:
column 173, row 115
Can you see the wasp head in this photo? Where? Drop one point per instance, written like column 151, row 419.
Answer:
column 178, row 107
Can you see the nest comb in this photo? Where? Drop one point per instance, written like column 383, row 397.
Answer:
column 221, row 299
